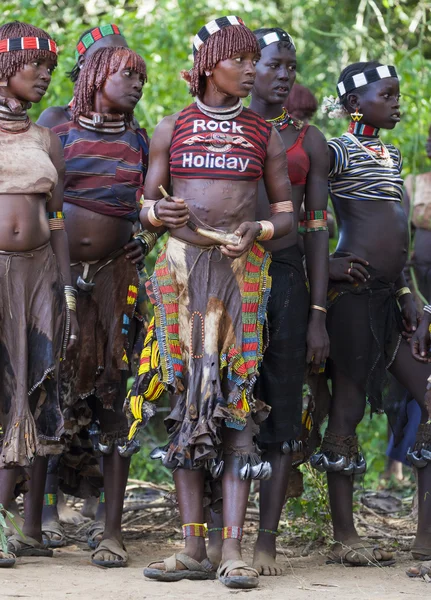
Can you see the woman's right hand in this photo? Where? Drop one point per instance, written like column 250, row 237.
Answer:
column 349, row 268
column 173, row 211
column 420, row 342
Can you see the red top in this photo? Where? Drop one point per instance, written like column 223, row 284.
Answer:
column 298, row 161
column 203, row 148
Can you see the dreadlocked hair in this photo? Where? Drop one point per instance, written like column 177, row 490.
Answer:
column 96, row 70
column 282, row 44
column 221, row 45
column 73, row 74
column 355, row 69
column 14, row 61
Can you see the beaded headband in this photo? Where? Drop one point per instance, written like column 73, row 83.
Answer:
column 361, row 79
column 212, row 27
column 28, row 43
column 95, row 35
column 274, row 36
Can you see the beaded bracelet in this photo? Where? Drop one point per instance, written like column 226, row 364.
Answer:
column 316, row 220
column 233, row 532
column 50, row 499
column 194, row 530
column 266, row 231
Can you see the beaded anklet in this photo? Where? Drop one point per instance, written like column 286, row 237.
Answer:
column 212, row 529
column 233, row 532
column 50, row 499
column 102, row 498
column 194, row 530
column 270, row 531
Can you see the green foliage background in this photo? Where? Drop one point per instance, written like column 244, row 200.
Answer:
column 328, row 34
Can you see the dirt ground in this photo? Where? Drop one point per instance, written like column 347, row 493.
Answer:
column 152, row 531
column 68, row 576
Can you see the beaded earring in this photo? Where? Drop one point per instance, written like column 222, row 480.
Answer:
column 208, row 73
column 356, row 116
column 3, row 82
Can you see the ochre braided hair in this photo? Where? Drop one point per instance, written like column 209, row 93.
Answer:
column 96, row 70
column 73, row 74
column 221, row 45
column 12, row 62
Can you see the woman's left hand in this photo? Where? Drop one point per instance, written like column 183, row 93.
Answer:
column 317, row 343
column 73, row 333
column 134, row 252
column 409, row 314
column 248, row 232
column 421, row 340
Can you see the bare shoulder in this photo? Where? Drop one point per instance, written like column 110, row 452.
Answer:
column 53, row 116
column 315, row 142
column 163, row 132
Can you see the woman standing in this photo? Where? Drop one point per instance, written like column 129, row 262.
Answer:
column 297, row 332
column 210, row 300
column 34, row 265
column 366, row 319
column 106, row 161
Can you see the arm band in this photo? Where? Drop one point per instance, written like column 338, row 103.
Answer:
column 427, row 308
column 266, row 231
column 70, row 294
column 401, row 292
column 55, row 220
column 280, row 207
column 151, row 216
column 148, row 239
column 315, row 220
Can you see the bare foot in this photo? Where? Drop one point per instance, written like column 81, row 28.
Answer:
column 66, row 513
column 264, row 559
column 420, row 570
column 89, row 508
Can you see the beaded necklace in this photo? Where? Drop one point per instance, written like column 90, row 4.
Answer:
column 220, row 114
column 284, row 120
column 103, row 122
column 362, row 129
column 379, row 155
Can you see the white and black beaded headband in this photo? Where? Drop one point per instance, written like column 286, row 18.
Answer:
column 361, row 79
column 212, row 27
column 274, row 36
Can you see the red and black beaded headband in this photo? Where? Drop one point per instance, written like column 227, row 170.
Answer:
column 28, row 43
column 369, row 76
column 275, row 36
column 212, row 27
column 94, row 35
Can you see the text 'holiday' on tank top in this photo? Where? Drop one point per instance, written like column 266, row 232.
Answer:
column 298, row 161
column 357, row 176
column 203, row 148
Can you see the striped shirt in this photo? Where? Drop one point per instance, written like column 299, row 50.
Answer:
column 203, row 148
column 104, row 172
column 356, row 176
